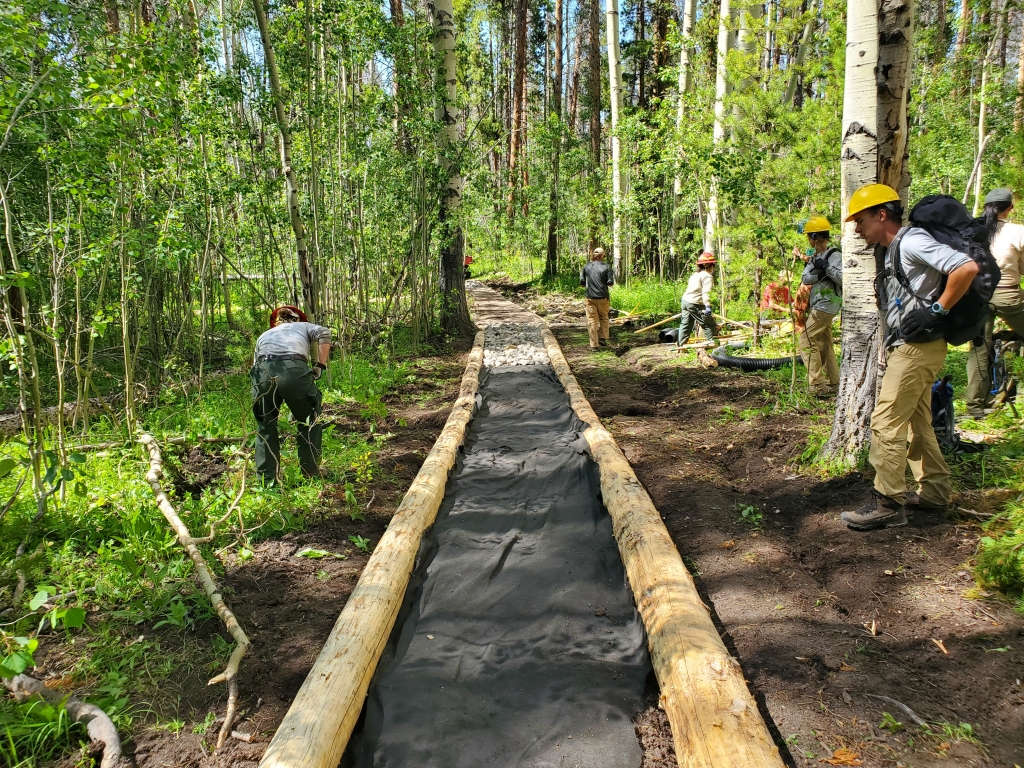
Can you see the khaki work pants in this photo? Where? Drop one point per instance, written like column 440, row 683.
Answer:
column 903, row 411
column 1009, row 305
column 818, row 353
column 597, row 320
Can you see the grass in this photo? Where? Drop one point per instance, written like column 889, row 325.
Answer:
column 102, row 532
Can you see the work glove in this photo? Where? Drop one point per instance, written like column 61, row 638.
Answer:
column 921, row 325
column 820, row 262
column 707, row 312
column 318, row 371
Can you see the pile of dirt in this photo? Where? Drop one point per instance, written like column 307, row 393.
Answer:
column 823, row 620
column 196, row 469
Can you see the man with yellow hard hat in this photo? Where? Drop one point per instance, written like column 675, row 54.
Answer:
column 915, row 350
column 824, row 273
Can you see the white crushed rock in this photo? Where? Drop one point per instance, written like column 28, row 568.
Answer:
column 514, row 344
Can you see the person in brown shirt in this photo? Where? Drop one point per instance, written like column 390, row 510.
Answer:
column 1007, row 248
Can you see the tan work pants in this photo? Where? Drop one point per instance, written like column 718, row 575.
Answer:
column 597, row 320
column 1009, row 305
column 818, row 353
column 903, row 411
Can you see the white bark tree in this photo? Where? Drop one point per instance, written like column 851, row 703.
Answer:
column 874, row 150
column 618, row 181
column 687, row 21
column 454, row 309
column 718, row 134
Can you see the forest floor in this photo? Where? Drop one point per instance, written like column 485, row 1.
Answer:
column 823, row 620
column 286, row 603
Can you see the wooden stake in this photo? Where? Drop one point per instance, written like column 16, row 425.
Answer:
column 715, row 721
column 317, row 727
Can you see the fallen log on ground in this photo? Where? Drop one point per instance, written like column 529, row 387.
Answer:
column 319, row 722
column 230, row 673
column 98, row 725
column 715, row 721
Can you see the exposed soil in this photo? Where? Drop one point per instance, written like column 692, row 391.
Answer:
column 288, row 604
column 823, row 620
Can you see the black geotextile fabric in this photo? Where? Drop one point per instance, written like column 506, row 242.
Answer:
column 518, row 644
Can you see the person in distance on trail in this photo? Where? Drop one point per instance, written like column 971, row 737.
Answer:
column 776, row 297
column 1007, row 248
column 915, row 351
column 696, row 302
column 281, row 374
column 824, row 273
column 597, row 277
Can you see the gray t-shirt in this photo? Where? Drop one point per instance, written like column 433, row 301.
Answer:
column 925, row 261
column 292, row 339
column 597, row 276
column 826, row 295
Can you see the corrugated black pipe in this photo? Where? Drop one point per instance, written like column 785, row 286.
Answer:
column 750, row 363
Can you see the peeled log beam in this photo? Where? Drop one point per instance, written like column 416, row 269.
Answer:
column 715, row 721
column 319, row 722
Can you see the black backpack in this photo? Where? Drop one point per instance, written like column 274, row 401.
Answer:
column 946, row 219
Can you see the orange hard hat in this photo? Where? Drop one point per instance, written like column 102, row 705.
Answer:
column 706, row 258
column 296, row 310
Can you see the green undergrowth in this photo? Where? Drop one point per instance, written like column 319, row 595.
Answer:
column 126, row 629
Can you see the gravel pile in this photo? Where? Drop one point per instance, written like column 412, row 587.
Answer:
column 514, row 344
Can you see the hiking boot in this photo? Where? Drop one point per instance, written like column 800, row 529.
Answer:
column 925, row 512
column 878, row 512
column 606, row 342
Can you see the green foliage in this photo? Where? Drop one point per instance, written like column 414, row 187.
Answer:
column 35, row 732
column 890, row 723
column 750, row 514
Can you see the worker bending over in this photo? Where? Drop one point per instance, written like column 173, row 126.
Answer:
column 915, row 351
column 597, row 277
column 696, row 303
column 1007, row 246
column 281, row 374
column 824, row 273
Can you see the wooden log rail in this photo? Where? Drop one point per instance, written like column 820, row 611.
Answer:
column 715, row 721
column 319, row 722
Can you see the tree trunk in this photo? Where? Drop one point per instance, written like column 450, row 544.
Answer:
column 801, row 55
column 875, row 128
column 518, row 104
column 641, row 57
column 615, row 88
column 551, row 266
column 718, row 133
column 685, row 78
column 401, row 77
column 291, row 184
column 455, row 318
column 963, row 27
column 1018, row 110
column 113, row 18
column 594, row 95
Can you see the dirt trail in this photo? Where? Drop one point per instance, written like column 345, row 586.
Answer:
column 823, row 620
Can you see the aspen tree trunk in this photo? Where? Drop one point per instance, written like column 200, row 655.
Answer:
column 551, row 266
column 878, row 40
column 291, row 184
column 685, row 78
column 721, row 87
column 518, row 105
column 595, row 83
column 1018, row 110
column 451, row 281
column 982, row 110
column 615, row 88
column 747, row 43
column 801, row 56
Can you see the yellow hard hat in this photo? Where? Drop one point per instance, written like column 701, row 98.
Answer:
column 869, row 196
column 817, row 224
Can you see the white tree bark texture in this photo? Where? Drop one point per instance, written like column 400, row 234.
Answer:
column 713, row 223
column 874, row 150
column 618, row 187
column 715, row 721
column 317, row 726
